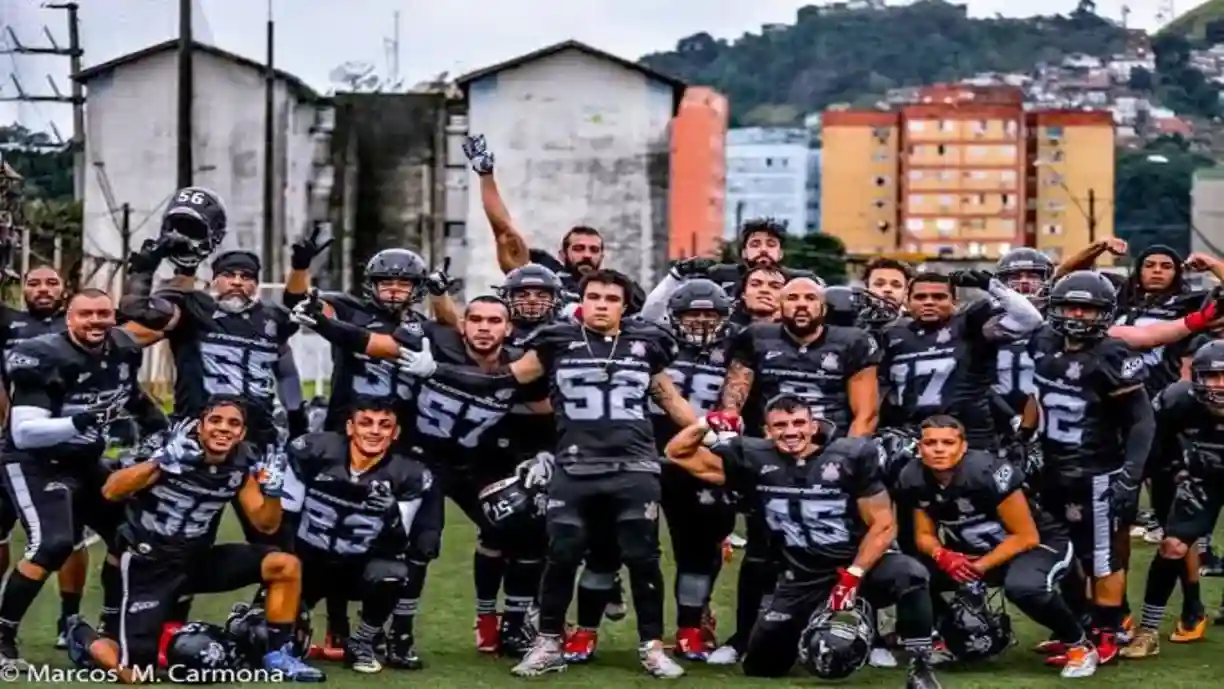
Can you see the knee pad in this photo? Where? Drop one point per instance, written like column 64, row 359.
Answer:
column 489, row 542
column 379, row 570
column 596, row 581
column 426, row 546
column 692, row 590
column 909, row 575
column 51, row 553
column 566, row 544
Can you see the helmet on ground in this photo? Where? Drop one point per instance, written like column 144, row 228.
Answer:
column 977, row 625
column 834, row 645
column 201, row 646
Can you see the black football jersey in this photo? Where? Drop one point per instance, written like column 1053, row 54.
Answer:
column 18, row 326
column 336, row 515
column 1015, row 374
column 598, row 386
column 698, row 373
column 452, row 427
column 54, row 373
column 1163, row 363
column 1188, row 433
column 817, row 372
column 180, row 512
column 810, row 505
column 966, row 511
column 945, row 368
column 220, row 353
column 571, row 281
column 1079, row 432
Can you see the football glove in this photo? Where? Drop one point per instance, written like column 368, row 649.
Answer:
column 1124, row 497
column 979, row 279
column 309, row 311
column 691, row 267
column 957, row 566
column 476, row 148
column 417, row 364
column 270, row 472
column 102, row 414
column 380, row 498
column 179, row 447
column 844, row 591
column 439, row 283
column 536, row 472
column 310, row 245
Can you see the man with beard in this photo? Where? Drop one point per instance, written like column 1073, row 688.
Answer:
column 360, row 504
column 832, row 367
column 760, row 245
column 942, row 360
column 824, row 502
column 600, row 374
column 66, row 390
column 582, row 247
column 42, row 289
column 167, row 546
column 448, row 430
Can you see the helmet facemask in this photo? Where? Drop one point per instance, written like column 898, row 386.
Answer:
column 1079, row 321
column 1208, row 384
column 699, row 327
column 395, row 295
column 532, row 304
column 1033, row 282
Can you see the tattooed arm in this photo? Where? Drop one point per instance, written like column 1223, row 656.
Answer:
column 736, row 386
column 663, row 391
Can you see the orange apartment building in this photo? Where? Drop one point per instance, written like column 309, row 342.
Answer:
column 966, row 172
column 698, row 174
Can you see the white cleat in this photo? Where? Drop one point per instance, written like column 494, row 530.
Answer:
column 1082, row 661
column 657, row 663
column 882, row 657
column 723, row 655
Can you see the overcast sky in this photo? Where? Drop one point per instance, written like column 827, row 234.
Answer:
column 316, row 36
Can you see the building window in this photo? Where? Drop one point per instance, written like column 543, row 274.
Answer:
column 976, row 151
column 915, row 175
column 1007, row 225
column 915, row 224
column 945, row 126
column 879, row 204
column 881, row 181
column 1058, row 156
column 1008, row 176
column 978, row 174
column 917, row 199
column 1054, row 179
column 1010, row 129
column 1053, row 229
column 1008, row 201
column 941, row 149
column 881, row 133
column 1054, row 205
column 769, row 162
column 945, row 225
column 974, row 224
column 975, row 249
column 1004, row 247
column 981, row 199
column 946, row 202
column 1054, row 133
column 915, row 125
column 881, row 156
column 947, row 175
column 1007, row 151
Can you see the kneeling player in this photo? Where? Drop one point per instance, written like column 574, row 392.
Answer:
column 826, row 505
column 358, row 510
column 1187, row 413
column 168, row 542
column 991, row 532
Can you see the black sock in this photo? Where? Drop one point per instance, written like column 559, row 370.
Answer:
column 487, row 573
column 1192, row 600
column 692, row 592
column 1161, row 580
column 403, row 618
column 112, row 598
column 279, row 634
column 17, row 596
column 521, row 583
column 337, row 616
column 556, row 591
column 646, row 586
column 379, row 602
column 1108, row 617
column 70, row 604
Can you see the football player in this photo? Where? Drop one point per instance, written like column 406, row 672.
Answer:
column 1027, row 272
column 941, row 360
column 600, row 373
column 888, row 279
column 699, row 516
column 760, row 245
column 66, row 390
column 824, row 502
column 42, row 290
column 760, row 296
column 360, row 505
column 167, row 546
column 975, row 523
column 1096, row 430
column 1188, row 417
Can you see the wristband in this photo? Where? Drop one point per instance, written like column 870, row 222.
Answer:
column 855, row 571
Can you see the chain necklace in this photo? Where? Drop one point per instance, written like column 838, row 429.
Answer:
column 611, row 353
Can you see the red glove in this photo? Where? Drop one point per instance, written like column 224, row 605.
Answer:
column 1201, row 320
column 956, row 566
column 844, row 591
column 724, row 422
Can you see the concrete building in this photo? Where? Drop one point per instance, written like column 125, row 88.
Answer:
column 131, row 151
column 966, row 172
column 698, row 174
column 813, row 189
column 1207, row 211
column 582, row 138
column 767, row 176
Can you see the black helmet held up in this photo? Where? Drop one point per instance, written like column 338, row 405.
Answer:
column 1207, row 361
column 193, row 225
column 507, row 504
column 699, row 295
column 395, row 264
column 532, row 276
column 857, row 307
column 1083, row 289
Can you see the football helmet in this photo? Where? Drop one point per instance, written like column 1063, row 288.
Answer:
column 1208, row 362
column 193, row 226
column 699, row 295
column 247, row 628
column 508, row 504
column 1082, row 305
column 201, row 646
column 977, row 625
column 857, row 307
column 524, row 309
column 395, row 264
column 1027, row 271
column 834, row 645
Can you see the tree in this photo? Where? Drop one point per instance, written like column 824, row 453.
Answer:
column 820, row 253
column 1152, row 193
column 1141, row 80
column 45, row 167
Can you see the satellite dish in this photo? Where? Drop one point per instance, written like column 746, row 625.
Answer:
column 351, row 73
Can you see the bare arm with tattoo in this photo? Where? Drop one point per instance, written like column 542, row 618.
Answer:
column 736, row 386
column 663, row 391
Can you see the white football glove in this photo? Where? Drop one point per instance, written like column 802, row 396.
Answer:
column 417, row 364
column 536, row 472
column 179, row 448
column 305, row 312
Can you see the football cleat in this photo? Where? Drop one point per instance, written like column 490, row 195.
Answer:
column 1081, row 661
column 1189, row 630
column 488, row 633
column 580, row 645
column 690, row 644
column 1146, row 644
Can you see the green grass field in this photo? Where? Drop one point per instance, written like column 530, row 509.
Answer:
column 446, row 642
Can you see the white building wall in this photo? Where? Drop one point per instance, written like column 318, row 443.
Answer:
column 767, row 176
column 574, row 136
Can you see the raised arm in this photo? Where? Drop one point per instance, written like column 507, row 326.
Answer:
column 512, row 249
column 687, row 451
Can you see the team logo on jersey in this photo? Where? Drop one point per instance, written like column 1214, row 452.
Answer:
column 944, row 335
column 1132, row 366
column 717, row 356
column 18, row 360
column 638, row 349
column 413, row 328
column 705, row 496
column 124, row 372
column 1074, row 370
column 964, row 505
column 830, row 362
column 299, row 443
column 270, row 328
column 1074, row 513
column 235, row 479
column 1003, row 477
column 651, row 511
column 830, row 473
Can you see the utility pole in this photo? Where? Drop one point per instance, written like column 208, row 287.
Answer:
column 74, row 53
column 125, row 243
column 186, row 94
column 1092, row 216
column 269, row 158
